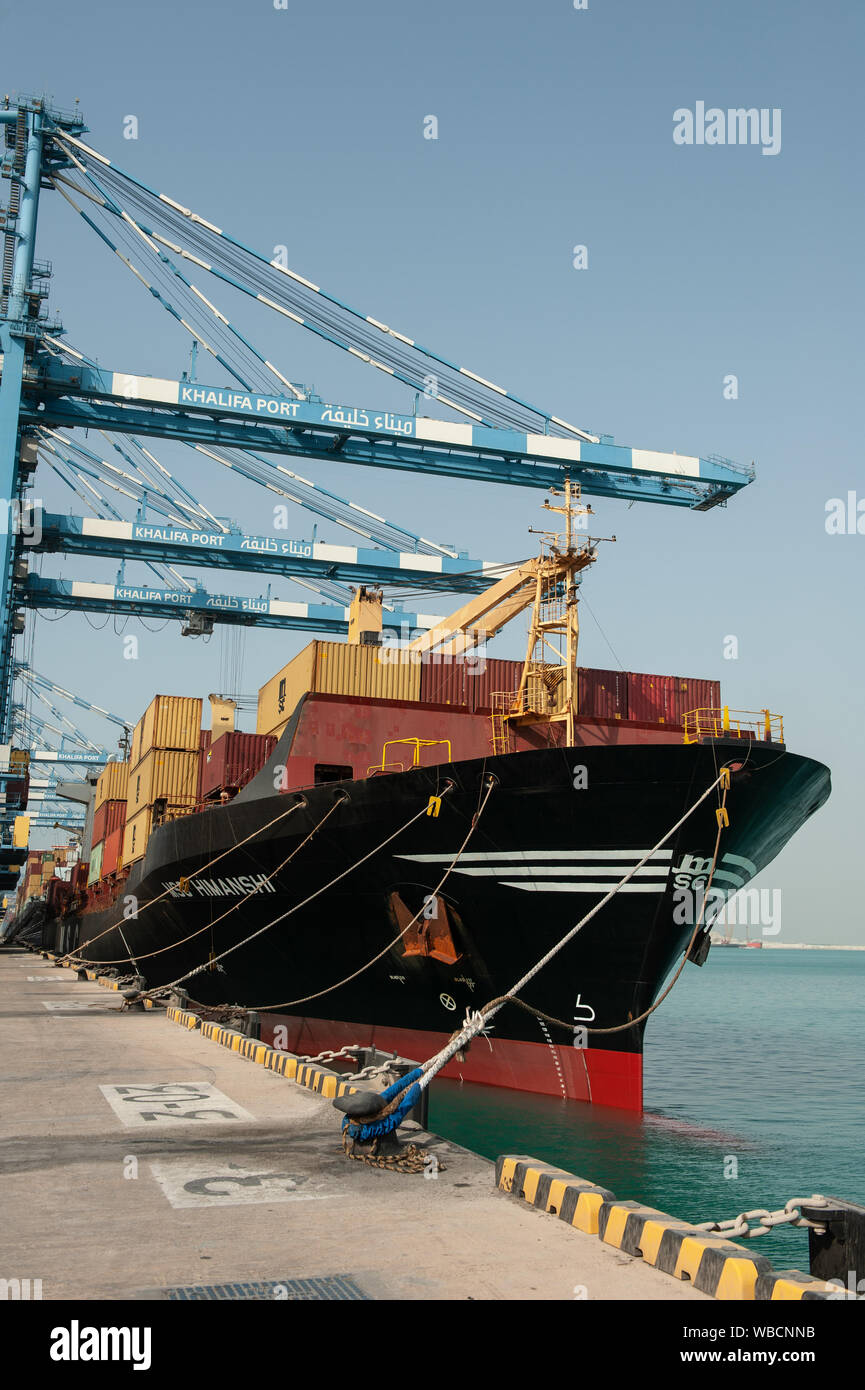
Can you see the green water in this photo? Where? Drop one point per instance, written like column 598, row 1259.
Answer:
column 758, row 1057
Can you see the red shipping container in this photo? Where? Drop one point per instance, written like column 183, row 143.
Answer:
column 692, row 693
column 652, row 699
column 204, row 739
column 233, row 760
column 108, row 817
column 602, row 694
column 111, row 852
column 468, row 681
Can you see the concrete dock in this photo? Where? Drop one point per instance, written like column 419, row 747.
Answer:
column 140, row 1160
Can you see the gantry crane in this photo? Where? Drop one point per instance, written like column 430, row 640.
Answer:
column 256, row 417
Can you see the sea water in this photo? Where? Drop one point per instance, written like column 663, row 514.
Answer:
column 754, row 1092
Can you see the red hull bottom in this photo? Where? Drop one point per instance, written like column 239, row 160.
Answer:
column 596, row 1075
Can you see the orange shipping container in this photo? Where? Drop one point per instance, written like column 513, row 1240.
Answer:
column 337, row 668
column 112, row 783
column 136, row 834
column 170, row 721
column 163, row 775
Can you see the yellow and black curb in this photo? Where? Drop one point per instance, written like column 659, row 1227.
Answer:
column 552, row 1189
column 308, row 1074
column 713, row 1264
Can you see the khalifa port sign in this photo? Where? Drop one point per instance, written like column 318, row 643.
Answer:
column 484, row 444
column 276, row 408
column 304, row 414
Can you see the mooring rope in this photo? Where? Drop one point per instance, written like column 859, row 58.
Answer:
column 492, row 782
column 622, row 1027
column 403, row 1095
column 72, row 955
column 213, row 961
column 208, row 926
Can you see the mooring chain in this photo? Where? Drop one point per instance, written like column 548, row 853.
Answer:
column 382, row 1069
column 332, row 1056
column 790, row 1214
column 377, row 1069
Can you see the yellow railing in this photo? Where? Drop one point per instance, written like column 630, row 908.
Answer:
column 542, row 694
column 417, row 744
column 757, row 725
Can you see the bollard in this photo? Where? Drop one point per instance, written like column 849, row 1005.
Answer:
column 252, row 1025
column 838, row 1252
column 400, row 1066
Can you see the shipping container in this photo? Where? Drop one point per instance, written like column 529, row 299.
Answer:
column 652, row 699
column 111, row 786
column 469, row 681
column 136, row 833
column 471, row 684
column 222, row 714
column 163, row 775
column 693, row 693
column 95, row 870
column 338, row 668
column 108, row 817
column 233, row 760
column 111, row 851
column 666, row 699
column 602, row 694
column 16, row 794
column 170, row 721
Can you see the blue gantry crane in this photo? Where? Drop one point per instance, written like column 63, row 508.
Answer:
column 259, row 416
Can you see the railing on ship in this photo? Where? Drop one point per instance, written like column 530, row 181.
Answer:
column 416, row 744
column 757, row 725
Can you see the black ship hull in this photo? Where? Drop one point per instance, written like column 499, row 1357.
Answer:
column 560, row 827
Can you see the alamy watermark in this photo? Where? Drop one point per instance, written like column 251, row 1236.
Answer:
column 845, row 517
column 22, row 518
column 749, row 907
column 735, row 126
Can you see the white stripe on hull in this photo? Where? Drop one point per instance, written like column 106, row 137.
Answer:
column 551, row 870
column 577, row 886
column 531, row 855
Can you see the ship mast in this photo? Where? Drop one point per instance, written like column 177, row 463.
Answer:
column 547, row 587
column 548, row 689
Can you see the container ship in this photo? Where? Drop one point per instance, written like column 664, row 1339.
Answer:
column 411, row 828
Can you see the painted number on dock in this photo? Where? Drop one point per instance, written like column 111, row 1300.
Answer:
column 74, row 1005
column 207, row 1184
column 170, row 1102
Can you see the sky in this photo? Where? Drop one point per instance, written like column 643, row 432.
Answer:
column 304, row 127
